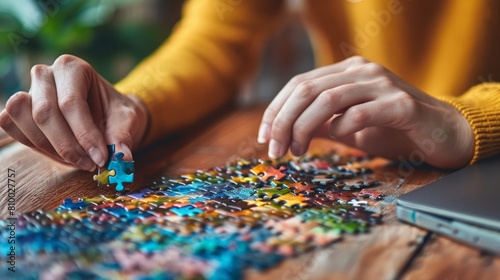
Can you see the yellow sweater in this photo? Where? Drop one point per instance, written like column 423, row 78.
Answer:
column 442, row 47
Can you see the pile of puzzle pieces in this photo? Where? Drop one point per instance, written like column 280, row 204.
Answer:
column 210, row 224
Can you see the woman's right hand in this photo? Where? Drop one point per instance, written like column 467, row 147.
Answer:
column 70, row 113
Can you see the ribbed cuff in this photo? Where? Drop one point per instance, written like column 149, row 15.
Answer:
column 481, row 107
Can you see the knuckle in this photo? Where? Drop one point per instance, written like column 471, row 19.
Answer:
column 5, row 122
column 131, row 112
column 67, row 60
column 124, row 135
column 15, row 104
column 386, row 83
column 332, row 96
column 279, row 125
column 358, row 60
column 358, row 115
column 42, row 113
column 300, row 131
column 67, row 153
column 374, row 68
column 68, row 102
column 305, row 89
column 41, row 143
column 405, row 100
column 86, row 139
column 270, row 113
column 39, row 70
column 297, row 79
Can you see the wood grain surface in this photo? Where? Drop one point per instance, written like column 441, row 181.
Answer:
column 391, row 250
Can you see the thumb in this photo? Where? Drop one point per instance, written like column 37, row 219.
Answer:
column 125, row 124
column 121, row 147
column 119, row 134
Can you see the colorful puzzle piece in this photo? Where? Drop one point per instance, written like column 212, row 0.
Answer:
column 375, row 195
column 122, row 170
column 266, row 171
column 103, row 177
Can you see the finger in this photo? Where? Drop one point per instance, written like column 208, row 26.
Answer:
column 386, row 112
column 300, row 99
column 275, row 106
column 9, row 126
column 51, row 122
column 74, row 79
column 328, row 105
column 121, row 123
column 19, row 109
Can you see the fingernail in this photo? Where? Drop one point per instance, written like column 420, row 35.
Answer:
column 296, row 149
column 97, row 156
column 263, row 134
column 274, row 149
column 86, row 163
column 126, row 151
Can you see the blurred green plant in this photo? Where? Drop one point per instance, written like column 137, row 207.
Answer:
column 37, row 31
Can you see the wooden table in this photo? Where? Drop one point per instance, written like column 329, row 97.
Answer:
column 392, row 250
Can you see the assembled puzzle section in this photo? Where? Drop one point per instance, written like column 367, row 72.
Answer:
column 117, row 171
column 209, row 224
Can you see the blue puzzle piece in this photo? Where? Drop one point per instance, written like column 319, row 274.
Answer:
column 123, row 171
column 185, row 189
column 241, row 193
column 68, row 204
column 127, row 215
column 141, row 193
column 186, row 211
column 198, row 199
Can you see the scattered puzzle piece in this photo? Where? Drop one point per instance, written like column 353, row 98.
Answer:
column 265, row 171
column 375, row 195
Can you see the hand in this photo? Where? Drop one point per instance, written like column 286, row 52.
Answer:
column 364, row 105
column 71, row 113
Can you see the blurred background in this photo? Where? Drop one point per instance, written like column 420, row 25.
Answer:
column 114, row 35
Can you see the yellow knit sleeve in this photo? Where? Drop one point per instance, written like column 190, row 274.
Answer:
column 481, row 107
column 214, row 47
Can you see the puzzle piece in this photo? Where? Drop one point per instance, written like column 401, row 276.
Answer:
column 355, row 184
column 323, row 180
column 122, row 170
column 342, row 196
column 186, row 211
column 292, row 200
column 68, row 204
column 103, row 177
column 266, row 171
column 375, row 195
column 302, row 187
column 357, row 203
column 270, row 193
